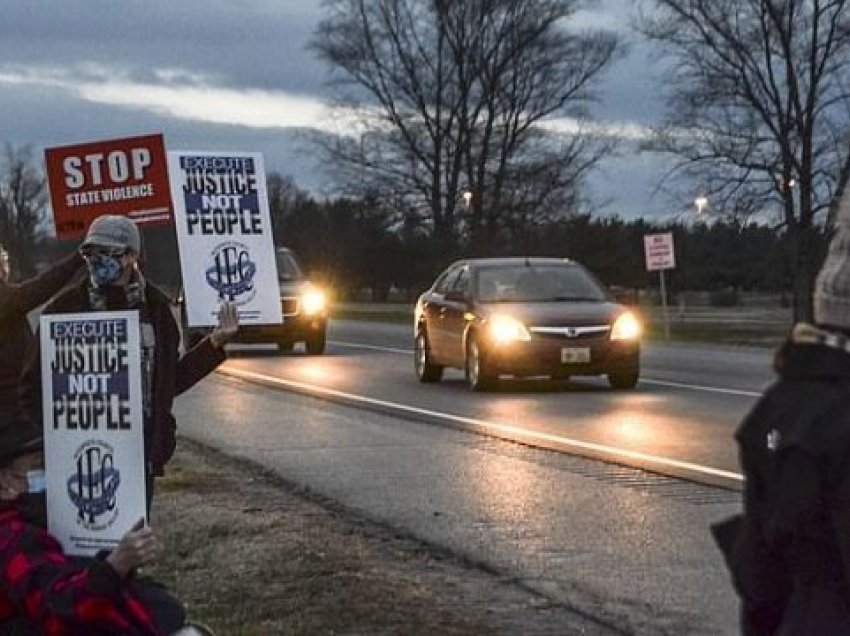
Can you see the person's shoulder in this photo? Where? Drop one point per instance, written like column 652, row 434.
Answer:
column 69, row 299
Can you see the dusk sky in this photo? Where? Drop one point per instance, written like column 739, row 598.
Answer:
column 218, row 75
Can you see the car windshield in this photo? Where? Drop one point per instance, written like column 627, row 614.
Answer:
column 537, row 283
column 287, row 267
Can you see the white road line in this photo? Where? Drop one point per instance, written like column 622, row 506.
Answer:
column 697, row 387
column 494, row 427
column 644, row 380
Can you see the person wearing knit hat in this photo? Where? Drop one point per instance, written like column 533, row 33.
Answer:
column 789, row 553
column 112, row 250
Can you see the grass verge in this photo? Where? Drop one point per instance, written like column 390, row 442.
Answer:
column 251, row 555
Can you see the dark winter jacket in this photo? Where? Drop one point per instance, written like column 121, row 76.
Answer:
column 172, row 375
column 16, row 301
column 791, row 561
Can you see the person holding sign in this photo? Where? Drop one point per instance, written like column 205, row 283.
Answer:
column 42, row 591
column 111, row 250
column 16, row 301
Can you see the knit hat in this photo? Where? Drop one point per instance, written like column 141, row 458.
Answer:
column 832, row 285
column 111, row 230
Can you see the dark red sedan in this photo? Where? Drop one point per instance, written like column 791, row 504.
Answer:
column 524, row 317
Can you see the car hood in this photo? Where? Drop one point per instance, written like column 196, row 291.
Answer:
column 557, row 314
column 293, row 287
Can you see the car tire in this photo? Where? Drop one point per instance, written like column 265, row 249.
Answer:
column 285, row 346
column 624, row 378
column 425, row 369
column 478, row 375
column 315, row 343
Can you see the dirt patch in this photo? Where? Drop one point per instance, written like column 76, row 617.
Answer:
column 251, row 554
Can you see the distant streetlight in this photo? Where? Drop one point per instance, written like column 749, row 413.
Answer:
column 700, row 202
column 467, row 198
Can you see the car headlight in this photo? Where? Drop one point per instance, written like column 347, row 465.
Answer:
column 313, row 302
column 504, row 329
column 626, row 327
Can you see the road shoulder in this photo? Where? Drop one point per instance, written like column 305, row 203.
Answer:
column 251, row 553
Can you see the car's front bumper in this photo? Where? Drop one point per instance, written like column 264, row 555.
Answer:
column 293, row 329
column 562, row 356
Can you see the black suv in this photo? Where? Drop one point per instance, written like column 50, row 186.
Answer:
column 304, row 308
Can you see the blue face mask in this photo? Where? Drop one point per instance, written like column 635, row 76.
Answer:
column 36, row 481
column 105, row 270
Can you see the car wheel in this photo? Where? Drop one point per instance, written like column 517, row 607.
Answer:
column 478, row 376
column 426, row 370
column 315, row 343
column 624, row 378
column 284, row 346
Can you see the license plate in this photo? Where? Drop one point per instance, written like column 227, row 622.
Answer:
column 575, row 355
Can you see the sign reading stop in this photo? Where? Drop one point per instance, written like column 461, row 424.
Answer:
column 118, row 176
column 659, row 252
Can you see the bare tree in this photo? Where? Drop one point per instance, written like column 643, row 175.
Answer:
column 22, row 206
column 453, row 93
column 759, row 102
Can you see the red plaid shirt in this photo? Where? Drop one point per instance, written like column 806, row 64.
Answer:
column 38, row 582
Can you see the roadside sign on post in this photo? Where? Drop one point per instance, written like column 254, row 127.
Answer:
column 117, row 176
column 660, row 256
column 659, row 252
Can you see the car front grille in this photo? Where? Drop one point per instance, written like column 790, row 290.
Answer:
column 290, row 306
column 585, row 332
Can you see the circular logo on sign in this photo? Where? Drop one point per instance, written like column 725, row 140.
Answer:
column 93, row 487
column 231, row 272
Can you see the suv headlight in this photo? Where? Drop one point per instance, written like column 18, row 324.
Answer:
column 313, row 302
column 626, row 327
column 504, row 329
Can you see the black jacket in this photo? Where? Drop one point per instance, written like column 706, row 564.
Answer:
column 16, row 301
column 791, row 561
column 172, row 375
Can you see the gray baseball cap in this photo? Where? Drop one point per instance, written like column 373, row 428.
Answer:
column 111, row 230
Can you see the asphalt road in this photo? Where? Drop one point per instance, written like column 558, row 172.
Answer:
column 679, row 421
column 628, row 550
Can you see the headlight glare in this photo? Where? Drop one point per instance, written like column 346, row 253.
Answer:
column 504, row 329
column 313, row 302
column 626, row 327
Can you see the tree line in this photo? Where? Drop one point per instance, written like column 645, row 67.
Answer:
column 360, row 246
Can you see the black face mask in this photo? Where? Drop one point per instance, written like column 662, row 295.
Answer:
column 33, row 508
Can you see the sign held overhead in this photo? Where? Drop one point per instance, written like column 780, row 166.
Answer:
column 119, row 176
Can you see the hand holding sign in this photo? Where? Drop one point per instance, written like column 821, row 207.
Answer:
column 138, row 547
column 228, row 324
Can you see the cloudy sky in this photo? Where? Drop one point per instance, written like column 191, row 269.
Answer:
column 225, row 75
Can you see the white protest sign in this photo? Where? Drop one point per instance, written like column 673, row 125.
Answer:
column 93, row 428
column 224, row 233
column 658, row 249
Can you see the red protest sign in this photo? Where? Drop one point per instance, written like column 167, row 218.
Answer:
column 118, row 176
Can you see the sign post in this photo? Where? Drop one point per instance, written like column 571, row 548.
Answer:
column 660, row 256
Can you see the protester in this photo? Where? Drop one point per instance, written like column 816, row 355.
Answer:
column 790, row 553
column 16, row 301
column 44, row 592
column 111, row 250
